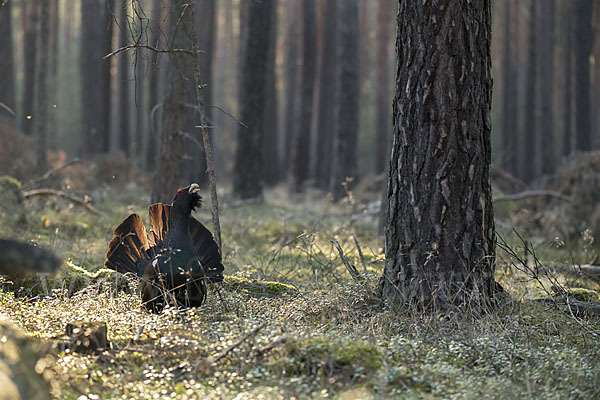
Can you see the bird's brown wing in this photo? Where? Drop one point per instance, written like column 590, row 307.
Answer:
column 207, row 251
column 128, row 250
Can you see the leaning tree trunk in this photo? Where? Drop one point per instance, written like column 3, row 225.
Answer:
column 440, row 236
column 247, row 179
column 348, row 102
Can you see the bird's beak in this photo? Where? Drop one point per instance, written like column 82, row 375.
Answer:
column 194, row 188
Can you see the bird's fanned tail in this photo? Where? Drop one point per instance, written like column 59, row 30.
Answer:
column 129, row 250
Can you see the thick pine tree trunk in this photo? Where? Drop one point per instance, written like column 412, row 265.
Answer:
column 344, row 172
column 545, row 77
column 169, row 175
column 247, row 179
column 583, row 11
column 7, row 77
column 302, row 135
column 326, row 97
column 440, row 234
column 95, row 76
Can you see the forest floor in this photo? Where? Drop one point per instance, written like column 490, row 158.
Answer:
column 289, row 322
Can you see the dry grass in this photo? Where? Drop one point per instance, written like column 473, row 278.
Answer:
column 290, row 322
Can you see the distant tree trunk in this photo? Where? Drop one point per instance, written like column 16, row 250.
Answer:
column 30, row 18
column 291, row 82
column 545, row 82
column 7, row 77
column 568, row 71
column 509, row 103
column 326, row 99
column 301, row 151
column 528, row 167
column 271, row 167
column 53, row 71
column 41, row 90
column 124, row 81
column 94, row 77
column 347, row 108
column 170, row 175
column 205, row 23
column 583, row 11
column 382, row 96
column 247, row 179
column 440, row 236
column 156, row 78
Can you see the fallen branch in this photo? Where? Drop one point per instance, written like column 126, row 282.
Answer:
column 242, row 203
column 532, row 193
column 64, row 195
column 247, row 336
column 360, row 254
column 51, row 173
column 351, row 268
column 261, row 352
column 589, row 271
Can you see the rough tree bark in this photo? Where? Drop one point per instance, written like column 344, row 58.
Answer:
column 7, row 77
column 301, row 150
column 440, row 235
column 247, row 179
column 583, row 12
column 95, row 76
column 528, row 165
column 326, row 97
column 344, row 172
column 177, row 122
column 545, row 81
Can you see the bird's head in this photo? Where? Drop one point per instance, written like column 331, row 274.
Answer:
column 188, row 198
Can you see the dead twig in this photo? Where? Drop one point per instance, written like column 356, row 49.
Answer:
column 532, row 193
column 247, row 336
column 144, row 46
column 63, row 195
column 51, row 173
column 350, row 267
column 279, row 341
column 360, row 253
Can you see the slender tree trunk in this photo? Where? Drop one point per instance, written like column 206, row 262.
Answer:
column 301, row 151
column 568, row 71
column 545, row 82
column 291, row 83
column 583, row 11
column 327, row 95
column 124, row 82
column 347, row 108
column 382, row 96
column 271, row 167
column 440, row 235
column 247, row 180
column 509, row 104
column 94, row 76
column 7, row 77
column 528, row 167
column 41, row 90
column 156, row 78
column 30, row 17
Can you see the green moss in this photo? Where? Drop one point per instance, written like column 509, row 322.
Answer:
column 257, row 287
column 585, row 294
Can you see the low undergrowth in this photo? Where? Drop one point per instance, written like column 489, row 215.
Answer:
column 289, row 322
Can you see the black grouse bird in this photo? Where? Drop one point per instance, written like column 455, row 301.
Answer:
column 175, row 259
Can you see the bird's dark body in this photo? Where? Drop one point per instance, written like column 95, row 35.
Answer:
column 175, row 260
